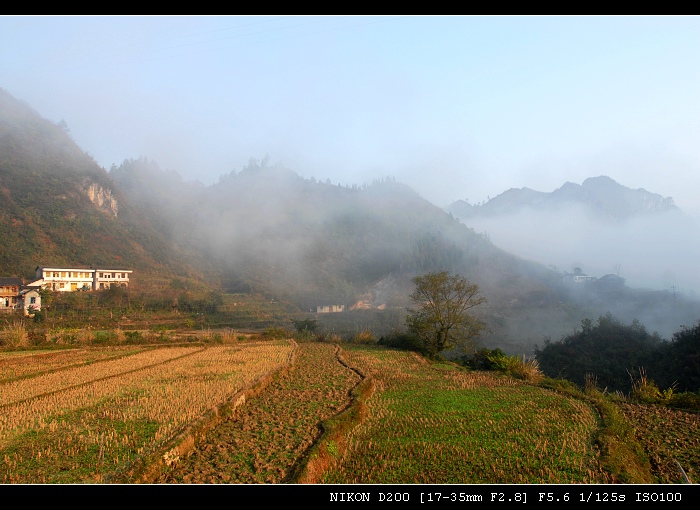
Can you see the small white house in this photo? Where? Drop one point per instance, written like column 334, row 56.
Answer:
column 330, row 308
column 30, row 300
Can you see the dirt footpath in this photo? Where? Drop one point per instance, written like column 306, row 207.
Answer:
column 265, row 439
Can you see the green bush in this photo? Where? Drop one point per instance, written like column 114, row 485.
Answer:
column 402, row 340
column 276, row 333
column 686, row 401
column 133, row 337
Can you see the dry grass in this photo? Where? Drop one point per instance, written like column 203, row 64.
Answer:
column 88, row 423
column 15, row 334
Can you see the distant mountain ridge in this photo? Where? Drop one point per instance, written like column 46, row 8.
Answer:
column 599, row 226
column 600, row 196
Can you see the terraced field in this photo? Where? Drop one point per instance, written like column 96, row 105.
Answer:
column 431, row 424
column 107, row 420
column 264, row 441
column 279, row 412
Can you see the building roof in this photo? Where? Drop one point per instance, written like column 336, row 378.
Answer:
column 83, row 268
column 6, row 281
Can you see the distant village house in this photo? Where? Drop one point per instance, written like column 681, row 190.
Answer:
column 16, row 295
column 330, row 308
column 579, row 276
column 9, row 293
column 30, row 301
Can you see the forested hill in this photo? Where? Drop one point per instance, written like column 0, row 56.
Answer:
column 60, row 207
column 267, row 230
column 270, row 230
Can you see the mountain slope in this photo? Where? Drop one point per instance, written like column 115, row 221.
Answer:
column 601, row 197
column 267, row 230
column 60, row 208
column 599, row 226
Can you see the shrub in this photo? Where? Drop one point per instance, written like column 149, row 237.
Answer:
column 519, row 367
column 328, row 337
column 527, row 369
column 133, row 337
column 686, row 400
column 402, row 340
column 304, row 326
column 276, row 333
column 644, row 390
column 485, row 359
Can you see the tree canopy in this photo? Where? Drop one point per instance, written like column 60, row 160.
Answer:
column 608, row 350
column 442, row 319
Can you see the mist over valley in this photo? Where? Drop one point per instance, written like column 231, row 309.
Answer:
column 600, row 227
column 266, row 230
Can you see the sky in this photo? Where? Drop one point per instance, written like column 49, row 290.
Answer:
column 457, row 107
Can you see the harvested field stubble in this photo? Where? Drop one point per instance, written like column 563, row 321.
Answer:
column 670, row 438
column 101, row 418
column 19, row 364
column 263, row 441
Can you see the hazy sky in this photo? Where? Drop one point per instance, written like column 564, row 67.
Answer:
column 457, row 107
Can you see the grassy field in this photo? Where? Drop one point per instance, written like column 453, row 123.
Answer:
column 427, row 423
column 265, row 410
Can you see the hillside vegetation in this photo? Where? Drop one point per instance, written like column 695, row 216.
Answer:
column 60, row 208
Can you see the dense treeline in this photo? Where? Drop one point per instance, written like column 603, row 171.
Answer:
column 615, row 356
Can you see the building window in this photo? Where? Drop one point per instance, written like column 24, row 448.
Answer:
column 32, row 300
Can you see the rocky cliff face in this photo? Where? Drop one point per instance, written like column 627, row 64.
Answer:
column 102, row 198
